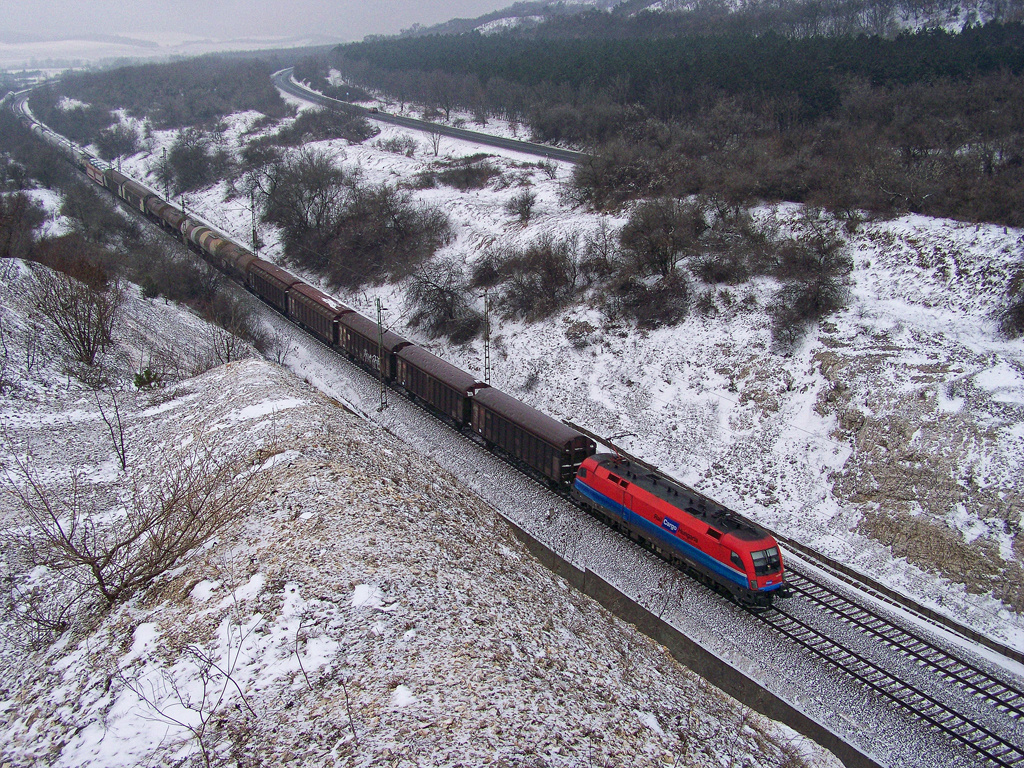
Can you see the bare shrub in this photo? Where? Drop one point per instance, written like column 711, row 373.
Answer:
column 650, row 305
column 818, row 251
column 542, row 278
column 729, row 268
column 238, row 325
column 168, row 697
column 97, row 219
column 549, row 168
column 660, row 231
column 111, row 413
column 194, row 161
column 521, row 205
column 814, row 265
column 117, row 141
column 399, row 145
column 440, row 295
column 339, row 122
column 83, row 314
column 580, row 333
column 617, row 172
column 487, row 272
column 99, row 555
column 349, row 230
column 468, row 173
column 1011, row 320
column 5, row 362
column 381, row 233
column 600, row 253
column 19, row 216
column 800, row 303
column 304, row 196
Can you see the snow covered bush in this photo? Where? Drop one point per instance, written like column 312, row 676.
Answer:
column 521, row 206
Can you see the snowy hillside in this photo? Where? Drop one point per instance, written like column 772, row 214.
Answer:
column 889, row 439
column 365, row 610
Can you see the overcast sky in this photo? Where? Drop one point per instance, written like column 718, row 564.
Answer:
column 224, row 19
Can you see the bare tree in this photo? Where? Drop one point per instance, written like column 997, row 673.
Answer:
column 435, row 142
column 83, row 314
column 5, row 361
column 303, row 193
column 440, row 295
column 111, row 415
column 104, row 557
column 19, row 216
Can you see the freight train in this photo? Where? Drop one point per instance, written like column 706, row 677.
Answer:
column 676, row 522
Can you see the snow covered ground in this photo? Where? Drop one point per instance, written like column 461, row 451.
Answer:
column 890, row 439
column 368, row 609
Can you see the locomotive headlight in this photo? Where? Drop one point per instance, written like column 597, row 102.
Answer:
column 753, row 584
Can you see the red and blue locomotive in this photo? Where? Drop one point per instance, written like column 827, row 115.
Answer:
column 687, row 529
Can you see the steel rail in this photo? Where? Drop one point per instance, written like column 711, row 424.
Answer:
column 1000, row 693
column 921, row 705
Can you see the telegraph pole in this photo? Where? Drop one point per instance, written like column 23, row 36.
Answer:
column 487, row 340
column 184, row 214
column 380, row 356
column 255, row 237
column 167, row 194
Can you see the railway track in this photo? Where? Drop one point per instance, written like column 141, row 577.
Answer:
column 993, row 748
column 1002, row 694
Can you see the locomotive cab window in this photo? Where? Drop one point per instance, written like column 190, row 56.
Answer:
column 736, row 561
column 583, row 471
column 766, row 561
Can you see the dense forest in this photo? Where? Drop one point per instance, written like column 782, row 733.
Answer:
column 673, row 18
column 928, row 122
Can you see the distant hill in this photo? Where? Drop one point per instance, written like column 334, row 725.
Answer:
column 802, row 17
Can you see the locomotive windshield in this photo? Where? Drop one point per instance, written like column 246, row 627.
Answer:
column 766, row 561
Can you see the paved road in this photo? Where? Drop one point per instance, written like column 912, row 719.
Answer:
column 283, row 80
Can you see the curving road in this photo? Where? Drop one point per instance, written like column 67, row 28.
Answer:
column 283, row 80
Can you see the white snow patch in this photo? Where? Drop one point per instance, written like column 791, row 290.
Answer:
column 1004, row 382
column 650, row 721
column 252, row 588
column 264, row 409
column 402, row 696
column 144, row 639
column 367, row 596
column 202, row 591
